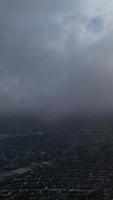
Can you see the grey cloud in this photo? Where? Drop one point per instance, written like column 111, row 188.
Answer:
column 55, row 56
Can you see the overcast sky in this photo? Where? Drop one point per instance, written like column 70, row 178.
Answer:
column 56, row 56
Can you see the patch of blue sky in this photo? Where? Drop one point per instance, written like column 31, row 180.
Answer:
column 96, row 25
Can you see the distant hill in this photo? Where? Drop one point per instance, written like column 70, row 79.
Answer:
column 26, row 124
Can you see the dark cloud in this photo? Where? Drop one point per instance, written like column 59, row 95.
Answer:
column 55, row 56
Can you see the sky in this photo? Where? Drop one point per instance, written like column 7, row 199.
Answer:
column 56, row 56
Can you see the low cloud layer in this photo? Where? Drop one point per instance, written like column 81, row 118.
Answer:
column 56, row 56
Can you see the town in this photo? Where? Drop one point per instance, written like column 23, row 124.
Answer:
column 54, row 163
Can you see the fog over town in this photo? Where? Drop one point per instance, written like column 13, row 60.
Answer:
column 56, row 99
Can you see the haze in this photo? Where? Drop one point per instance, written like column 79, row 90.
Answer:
column 56, row 56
